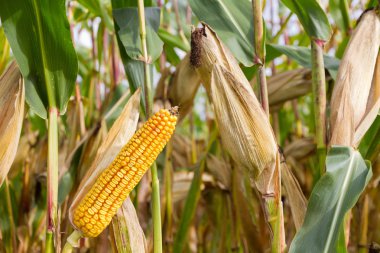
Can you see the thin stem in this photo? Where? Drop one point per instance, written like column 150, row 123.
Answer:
column 157, row 231
column 147, row 84
column 363, row 240
column 169, row 196
column 282, row 28
column 72, row 241
column 12, row 228
column 260, row 53
column 179, row 26
column 157, row 235
column 319, row 97
column 273, row 204
column 52, row 179
column 193, row 141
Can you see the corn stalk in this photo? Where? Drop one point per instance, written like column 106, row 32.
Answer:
column 157, row 233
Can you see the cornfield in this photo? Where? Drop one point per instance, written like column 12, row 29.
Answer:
column 189, row 126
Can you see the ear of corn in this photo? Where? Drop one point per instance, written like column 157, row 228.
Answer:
column 245, row 128
column 95, row 211
column 183, row 86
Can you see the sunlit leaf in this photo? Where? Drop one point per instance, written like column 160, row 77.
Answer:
column 335, row 193
column 302, row 56
column 127, row 20
column 339, row 11
column 312, row 18
column 232, row 21
column 39, row 35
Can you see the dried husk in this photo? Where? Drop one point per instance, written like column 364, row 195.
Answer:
column 354, row 80
column 120, row 133
column 373, row 106
column 220, row 170
column 296, row 198
column 288, row 85
column 300, row 149
column 129, row 236
column 183, row 86
column 182, row 182
column 245, row 129
column 12, row 97
column 181, row 154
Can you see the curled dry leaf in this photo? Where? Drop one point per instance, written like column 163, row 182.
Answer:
column 181, row 155
column 182, row 182
column 373, row 106
column 296, row 198
column 246, row 131
column 120, row 133
column 183, row 86
column 129, row 236
column 220, row 170
column 12, row 96
column 300, row 149
column 288, row 85
column 354, row 80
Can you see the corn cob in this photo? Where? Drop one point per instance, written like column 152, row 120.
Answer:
column 100, row 204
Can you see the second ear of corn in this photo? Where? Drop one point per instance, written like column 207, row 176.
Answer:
column 99, row 205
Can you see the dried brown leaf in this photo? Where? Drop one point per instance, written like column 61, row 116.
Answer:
column 353, row 83
column 12, row 97
column 373, row 105
column 288, row 85
column 300, row 149
column 128, row 233
column 296, row 198
column 220, row 170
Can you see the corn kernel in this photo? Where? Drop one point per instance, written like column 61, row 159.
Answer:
column 94, row 212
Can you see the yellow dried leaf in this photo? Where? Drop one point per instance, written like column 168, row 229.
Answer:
column 12, row 97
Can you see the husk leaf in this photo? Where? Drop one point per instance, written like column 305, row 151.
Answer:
column 183, row 86
column 128, row 233
column 354, row 80
column 246, row 132
column 373, row 106
column 12, row 97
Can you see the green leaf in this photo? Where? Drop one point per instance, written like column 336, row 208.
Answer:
column 189, row 209
column 172, row 40
column 370, row 145
column 232, row 21
column 302, row 56
column 4, row 51
column 339, row 11
column 100, row 9
column 336, row 192
column 127, row 20
column 134, row 69
column 312, row 18
column 39, row 35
